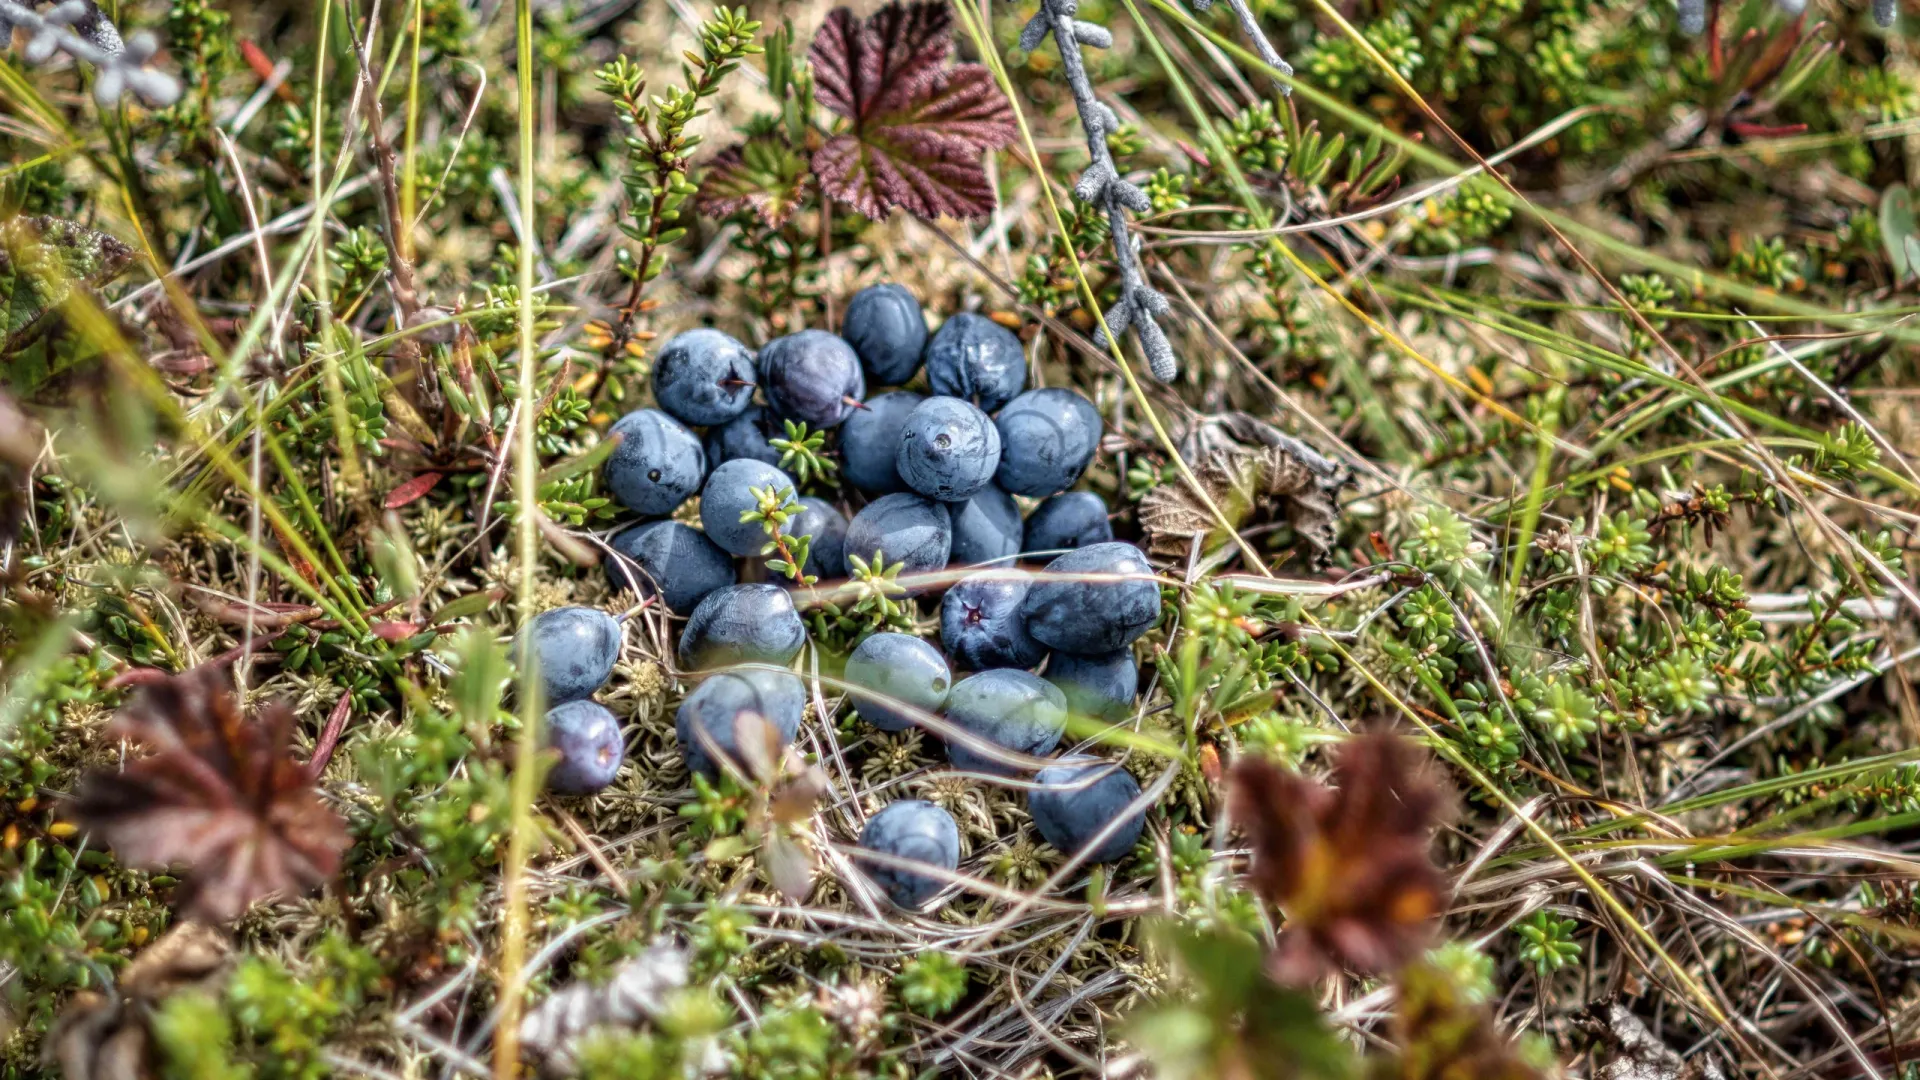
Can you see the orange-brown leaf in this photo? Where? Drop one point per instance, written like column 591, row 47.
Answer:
column 1348, row 863
column 412, row 490
column 917, row 126
column 217, row 792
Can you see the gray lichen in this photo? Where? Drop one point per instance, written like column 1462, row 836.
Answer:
column 1693, row 13
column 1101, row 184
column 81, row 30
column 1251, row 27
column 1140, row 306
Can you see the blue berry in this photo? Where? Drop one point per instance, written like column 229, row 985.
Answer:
column 976, row 359
column 948, row 450
column 587, row 738
column 913, row 533
column 980, row 622
column 809, row 376
column 574, row 649
column 729, row 493
column 1070, row 519
column 887, row 332
column 746, row 436
column 827, row 526
column 1047, row 437
column 1099, row 686
column 1093, row 617
column 717, row 708
column 1077, row 799
column 910, row 829
column 703, row 377
column 1014, row 709
column 742, row 624
column 902, row 667
column 675, row 561
column 986, row 527
column 657, row 464
column 870, row 442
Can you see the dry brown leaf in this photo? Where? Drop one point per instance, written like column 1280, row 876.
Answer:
column 1255, row 474
column 101, row 1037
column 219, row 793
column 1348, row 864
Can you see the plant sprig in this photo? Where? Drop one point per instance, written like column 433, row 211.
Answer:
column 776, row 509
column 659, row 151
column 801, row 453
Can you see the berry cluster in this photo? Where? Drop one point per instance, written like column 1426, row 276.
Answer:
column 573, row 650
column 936, row 474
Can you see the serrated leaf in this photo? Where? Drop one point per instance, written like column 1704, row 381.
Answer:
column 1348, row 863
column 1898, row 230
column 42, row 259
column 219, row 791
column 918, row 126
column 761, row 173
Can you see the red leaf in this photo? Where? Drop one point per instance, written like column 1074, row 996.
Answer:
column 1349, row 863
column 918, row 126
column 394, row 631
column 412, row 490
column 1747, row 130
column 219, row 792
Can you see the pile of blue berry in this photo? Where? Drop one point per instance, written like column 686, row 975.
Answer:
column 934, row 473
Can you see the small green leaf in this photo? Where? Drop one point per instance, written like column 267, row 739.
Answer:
column 1897, row 229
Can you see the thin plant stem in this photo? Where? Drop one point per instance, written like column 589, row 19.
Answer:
column 513, row 945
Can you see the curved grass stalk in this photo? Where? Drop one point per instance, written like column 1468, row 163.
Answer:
column 1446, row 749
column 1876, row 319
column 1218, row 148
column 1251, row 27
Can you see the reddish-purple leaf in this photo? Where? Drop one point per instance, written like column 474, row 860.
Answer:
column 218, row 791
column 881, row 65
column 411, row 490
column 762, row 173
column 1747, row 130
column 917, row 126
column 394, row 631
column 1348, row 863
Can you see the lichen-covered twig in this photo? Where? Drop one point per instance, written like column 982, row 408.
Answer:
column 1693, row 13
column 81, row 30
column 1101, row 185
column 1251, row 27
